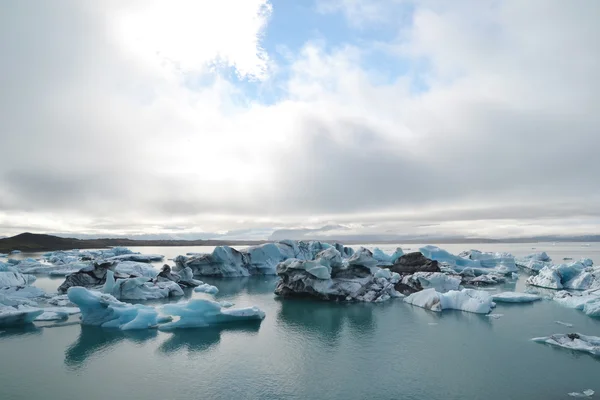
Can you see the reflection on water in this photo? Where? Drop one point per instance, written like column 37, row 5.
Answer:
column 203, row 339
column 250, row 285
column 22, row 330
column 95, row 340
column 326, row 320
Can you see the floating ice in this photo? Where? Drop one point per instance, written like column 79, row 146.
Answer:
column 104, row 310
column 382, row 257
column 147, row 258
column 573, row 341
column 495, row 316
column 564, row 323
column 502, row 263
column 140, row 288
column 432, row 280
column 470, row 300
column 199, row 313
column 585, row 393
column 206, row 288
column 547, row 278
column 10, row 316
column 515, row 297
column 57, row 313
column 136, row 268
column 10, row 277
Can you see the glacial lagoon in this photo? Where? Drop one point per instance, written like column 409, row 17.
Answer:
column 306, row 349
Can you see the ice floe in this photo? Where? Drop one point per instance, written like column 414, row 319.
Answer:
column 200, row 313
column 515, row 297
column 573, row 341
column 206, row 288
column 141, row 288
column 585, row 393
column 104, row 310
column 470, row 300
column 21, row 315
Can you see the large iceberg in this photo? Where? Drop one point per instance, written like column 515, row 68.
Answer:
column 328, row 278
column 578, row 275
column 475, row 301
column 573, row 341
column 200, row 313
column 101, row 309
column 226, row 261
column 104, row 310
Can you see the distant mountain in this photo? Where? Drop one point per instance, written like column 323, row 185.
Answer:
column 40, row 242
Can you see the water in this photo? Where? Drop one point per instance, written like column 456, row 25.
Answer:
column 312, row 350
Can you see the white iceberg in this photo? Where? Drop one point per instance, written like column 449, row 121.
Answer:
column 515, row 297
column 470, row 300
column 198, row 313
column 573, row 341
column 140, row 288
column 585, row 393
column 206, row 288
column 564, row 323
column 136, row 268
column 547, row 278
column 10, row 316
column 57, row 313
column 10, row 277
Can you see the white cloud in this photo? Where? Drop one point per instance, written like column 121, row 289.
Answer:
column 106, row 137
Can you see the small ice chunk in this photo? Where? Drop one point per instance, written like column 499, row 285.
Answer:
column 10, row 316
column 470, row 300
column 495, row 316
column 57, row 313
column 515, row 297
column 585, row 393
column 564, row 323
column 206, row 288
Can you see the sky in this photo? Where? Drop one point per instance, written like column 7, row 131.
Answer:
column 271, row 118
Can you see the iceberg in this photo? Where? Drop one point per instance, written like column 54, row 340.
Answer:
column 547, row 278
column 382, row 257
column 10, row 277
column 10, row 316
column 414, row 262
column 91, row 276
column 104, row 310
column 437, row 280
column 503, row 263
column 206, row 288
column 146, row 258
column 515, row 297
column 470, row 300
column 135, row 268
column 199, row 313
column 573, row 341
column 57, row 313
column 326, row 280
column 139, row 288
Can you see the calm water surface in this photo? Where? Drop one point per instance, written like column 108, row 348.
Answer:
column 312, row 350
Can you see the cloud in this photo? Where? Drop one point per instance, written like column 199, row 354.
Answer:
column 132, row 117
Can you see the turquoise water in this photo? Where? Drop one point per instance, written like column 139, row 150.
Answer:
column 311, row 350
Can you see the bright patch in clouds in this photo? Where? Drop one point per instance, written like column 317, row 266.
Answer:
column 149, row 117
column 195, row 36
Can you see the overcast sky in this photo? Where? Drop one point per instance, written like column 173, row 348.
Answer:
column 197, row 118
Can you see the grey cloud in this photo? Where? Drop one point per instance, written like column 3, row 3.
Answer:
column 525, row 149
